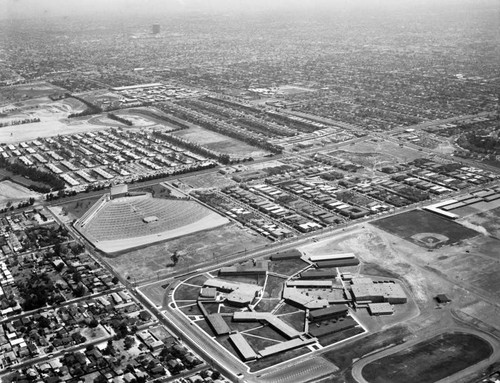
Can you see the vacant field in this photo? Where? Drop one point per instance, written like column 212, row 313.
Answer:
column 429, row 361
column 208, row 181
column 11, row 193
column 402, row 154
column 193, row 250
column 489, row 220
column 49, row 126
column 425, row 229
column 77, row 208
column 365, row 159
column 220, row 143
column 27, row 91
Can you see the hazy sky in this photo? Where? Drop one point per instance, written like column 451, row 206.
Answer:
column 44, row 8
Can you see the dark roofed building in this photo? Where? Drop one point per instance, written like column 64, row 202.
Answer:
column 331, row 312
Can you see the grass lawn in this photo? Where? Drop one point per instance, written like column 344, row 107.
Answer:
column 258, row 343
column 268, row 332
column 267, row 305
column 274, row 287
column 192, row 309
column 429, row 361
column 197, row 280
column 411, row 224
column 277, row 358
column 186, row 292
column 295, row 320
column 286, row 309
column 287, row 266
column 240, row 326
column 203, row 324
column 78, row 208
column 337, row 337
column 343, row 357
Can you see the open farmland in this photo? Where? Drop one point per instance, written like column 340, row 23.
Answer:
column 425, row 229
column 220, row 143
column 429, row 361
column 193, row 250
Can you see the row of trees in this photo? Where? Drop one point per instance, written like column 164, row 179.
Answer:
column 242, row 135
column 90, row 110
column 120, row 119
column 55, row 182
column 19, row 122
column 195, row 148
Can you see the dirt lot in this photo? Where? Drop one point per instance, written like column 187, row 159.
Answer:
column 10, row 192
column 489, row 220
column 192, row 249
column 53, row 120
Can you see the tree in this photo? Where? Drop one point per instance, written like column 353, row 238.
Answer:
column 129, row 342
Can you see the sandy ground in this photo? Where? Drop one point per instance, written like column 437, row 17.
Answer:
column 53, row 120
column 12, row 192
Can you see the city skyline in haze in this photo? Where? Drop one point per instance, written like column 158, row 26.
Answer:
column 18, row 9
